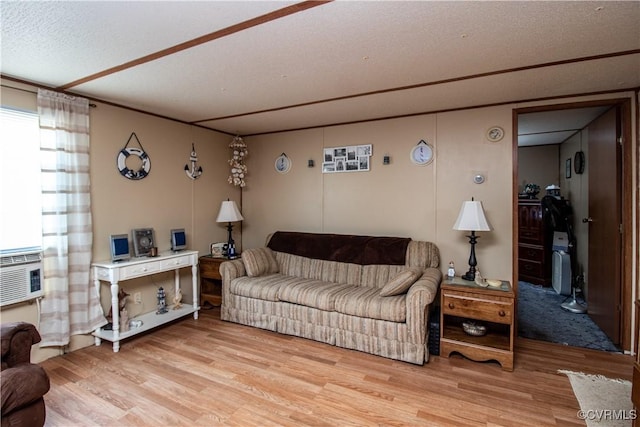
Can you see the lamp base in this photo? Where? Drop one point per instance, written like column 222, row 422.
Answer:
column 469, row 276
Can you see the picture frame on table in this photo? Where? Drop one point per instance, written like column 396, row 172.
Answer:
column 143, row 240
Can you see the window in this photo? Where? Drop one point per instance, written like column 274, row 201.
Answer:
column 20, row 184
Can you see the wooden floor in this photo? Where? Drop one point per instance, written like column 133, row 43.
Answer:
column 207, row 372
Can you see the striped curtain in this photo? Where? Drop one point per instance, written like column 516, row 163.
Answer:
column 71, row 305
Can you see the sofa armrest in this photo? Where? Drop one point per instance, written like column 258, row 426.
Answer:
column 230, row 270
column 419, row 297
column 22, row 385
column 17, row 339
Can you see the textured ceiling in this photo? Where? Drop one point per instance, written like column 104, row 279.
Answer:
column 252, row 67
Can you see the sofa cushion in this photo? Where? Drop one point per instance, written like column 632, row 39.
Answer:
column 262, row 287
column 376, row 276
column 317, row 269
column 363, row 250
column 366, row 302
column 311, row 293
column 259, row 261
column 401, row 282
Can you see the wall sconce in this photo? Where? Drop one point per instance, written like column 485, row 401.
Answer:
column 311, row 163
column 386, row 160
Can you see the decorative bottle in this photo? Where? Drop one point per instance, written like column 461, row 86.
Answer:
column 451, row 272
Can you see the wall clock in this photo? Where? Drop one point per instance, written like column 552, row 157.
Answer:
column 283, row 163
column 422, row 153
column 578, row 162
column 495, row 133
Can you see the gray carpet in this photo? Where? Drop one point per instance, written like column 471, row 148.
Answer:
column 540, row 317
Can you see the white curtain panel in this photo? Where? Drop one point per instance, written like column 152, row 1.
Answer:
column 71, row 305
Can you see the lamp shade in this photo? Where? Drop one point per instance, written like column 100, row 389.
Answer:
column 471, row 217
column 229, row 212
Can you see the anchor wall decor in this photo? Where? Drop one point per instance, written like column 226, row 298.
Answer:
column 193, row 172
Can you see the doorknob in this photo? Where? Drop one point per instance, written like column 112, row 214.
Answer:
column 585, row 220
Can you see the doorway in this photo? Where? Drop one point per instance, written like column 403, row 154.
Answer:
column 552, row 138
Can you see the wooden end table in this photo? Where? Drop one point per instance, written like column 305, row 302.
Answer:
column 463, row 300
column 211, row 279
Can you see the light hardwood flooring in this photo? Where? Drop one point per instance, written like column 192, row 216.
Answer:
column 207, row 372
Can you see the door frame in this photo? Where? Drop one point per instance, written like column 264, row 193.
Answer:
column 626, row 290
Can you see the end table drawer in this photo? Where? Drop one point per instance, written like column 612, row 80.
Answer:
column 137, row 270
column 176, row 262
column 492, row 311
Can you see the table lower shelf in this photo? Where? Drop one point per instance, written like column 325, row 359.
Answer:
column 495, row 340
column 149, row 321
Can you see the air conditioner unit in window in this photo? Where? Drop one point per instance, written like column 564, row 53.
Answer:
column 20, row 276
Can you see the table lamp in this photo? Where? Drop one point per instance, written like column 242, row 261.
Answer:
column 229, row 213
column 471, row 218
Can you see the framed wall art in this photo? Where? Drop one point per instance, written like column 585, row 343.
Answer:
column 350, row 158
column 143, row 241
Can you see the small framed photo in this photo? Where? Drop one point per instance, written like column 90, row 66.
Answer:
column 217, row 250
column 567, row 168
column 363, row 163
column 364, row 150
column 328, row 155
column 143, row 240
column 328, row 167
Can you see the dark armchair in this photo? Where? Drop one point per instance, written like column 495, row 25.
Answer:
column 23, row 384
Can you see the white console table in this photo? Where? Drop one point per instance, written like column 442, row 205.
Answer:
column 114, row 272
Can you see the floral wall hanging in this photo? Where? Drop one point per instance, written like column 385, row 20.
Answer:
column 238, row 168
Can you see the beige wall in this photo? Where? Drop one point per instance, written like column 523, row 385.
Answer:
column 539, row 165
column 399, row 199
column 165, row 199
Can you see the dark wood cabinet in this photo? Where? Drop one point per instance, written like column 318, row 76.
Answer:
column 210, row 279
column 534, row 244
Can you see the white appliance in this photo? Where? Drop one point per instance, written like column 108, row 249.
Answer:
column 21, row 276
column 561, row 272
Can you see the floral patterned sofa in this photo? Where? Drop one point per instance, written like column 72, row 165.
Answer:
column 366, row 293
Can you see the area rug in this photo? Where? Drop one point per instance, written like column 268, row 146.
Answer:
column 540, row 317
column 604, row 402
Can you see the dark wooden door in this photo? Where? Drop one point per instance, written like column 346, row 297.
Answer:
column 604, row 282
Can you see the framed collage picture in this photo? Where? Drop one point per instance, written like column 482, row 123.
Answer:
column 351, row 158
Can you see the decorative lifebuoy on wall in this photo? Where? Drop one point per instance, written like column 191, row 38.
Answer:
column 145, row 161
column 130, row 173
